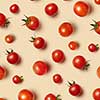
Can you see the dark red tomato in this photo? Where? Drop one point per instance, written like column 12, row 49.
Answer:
column 79, row 62
column 14, row 8
column 40, row 68
column 26, row 94
column 97, row 2
column 92, row 47
column 73, row 45
column 57, row 78
column 2, row 20
column 81, row 8
column 17, row 79
column 13, row 57
column 9, row 38
column 65, row 29
column 31, row 22
column 96, row 94
column 58, row 56
column 2, row 72
column 51, row 9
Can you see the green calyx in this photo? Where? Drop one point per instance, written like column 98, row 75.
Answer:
column 86, row 66
column 32, row 39
column 70, row 84
column 8, row 52
column 57, row 98
column 95, row 25
column 97, row 46
column 26, row 20
column 21, row 78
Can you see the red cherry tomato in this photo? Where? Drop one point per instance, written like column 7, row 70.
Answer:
column 26, row 94
column 92, row 47
column 51, row 9
column 9, row 38
column 97, row 2
column 80, row 62
column 13, row 57
column 73, row 45
column 81, row 8
column 65, row 29
column 14, row 8
column 96, row 94
column 17, row 79
column 2, row 72
column 40, row 68
column 57, row 78
column 31, row 22
column 58, row 56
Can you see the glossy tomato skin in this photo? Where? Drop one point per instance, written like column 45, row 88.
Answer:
column 57, row 78
column 50, row 97
column 2, row 72
column 51, row 9
column 26, row 94
column 79, row 62
column 97, row 2
column 14, row 8
column 2, row 19
column 9, row 38
column 40, row 68
column 58, row 56
column 96, row 94
column 65, row 29
column 97, row 29
column 81, row 8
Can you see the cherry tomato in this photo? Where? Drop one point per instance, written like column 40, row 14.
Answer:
column 74, row 89
column 26, row 94
column 2, row 72
column 14, row 8
column 40, row 68
column 9, row 38
column 17, row 79
column 13, row 57
column 80, row 62
column 2, row 99
column 97, row 2
column 58, row 56
column 31, row 22
column 92, row 47
column 81, row 8
column 96, row 94
column 65, row 29
column 51, row 96
column 57, row 78
column 51, row 9
column 73, row 45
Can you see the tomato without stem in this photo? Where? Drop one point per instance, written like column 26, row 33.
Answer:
column 57, row 78
column 97, row 2
column 96, row 94
column 9, row 38
column 14, row 8
column 2, row 72
column 2, row 99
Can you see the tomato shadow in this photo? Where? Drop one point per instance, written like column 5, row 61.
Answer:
column 90, row 9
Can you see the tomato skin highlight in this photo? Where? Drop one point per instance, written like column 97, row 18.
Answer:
column 57, row 78
column 2, row 72
column 14, row 8
column 96, row 94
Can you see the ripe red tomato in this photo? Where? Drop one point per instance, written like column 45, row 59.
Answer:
column 26, row 94
column 51, row 9
column 74, row 89
column 9, row 38
column 92, row 47
column 80, row 62
column 81, row 8
column 58, row 56
column 40, row 68
column 57, row 78
column 31, row 22
column 97, row 2
column 2, row 72
column 17, row 79
column 13, row 57
column 65, row 29
column 96, row 94
column 73, row 45
column 14, row 8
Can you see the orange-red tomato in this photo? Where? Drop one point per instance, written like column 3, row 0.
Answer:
column 98, row 71
column 97, row 2
column 2, row 99
column 9, row 38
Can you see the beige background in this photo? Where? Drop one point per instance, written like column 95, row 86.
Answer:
column 44, row 85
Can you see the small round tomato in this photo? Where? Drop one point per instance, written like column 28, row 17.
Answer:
column 51, row 96
column 57, row 78
column 17, row 79
column 96, row 94
column 81, row 8
column 51, row 9
column 58, row 56
column 13, row 57
column 97, row 2
column 14, row 8
column 31, row 22
column 26, row 94
column 2, row 72
column 74, row 89
column 92, row 47
column 40, row 68
column 80, row 62
column 73, row 45
column 65, row 29
column 9, row 38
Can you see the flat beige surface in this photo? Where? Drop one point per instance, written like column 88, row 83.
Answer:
column 44, row 85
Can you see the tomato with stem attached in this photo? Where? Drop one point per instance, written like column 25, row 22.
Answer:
column 96, row 94
column 14, row 8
